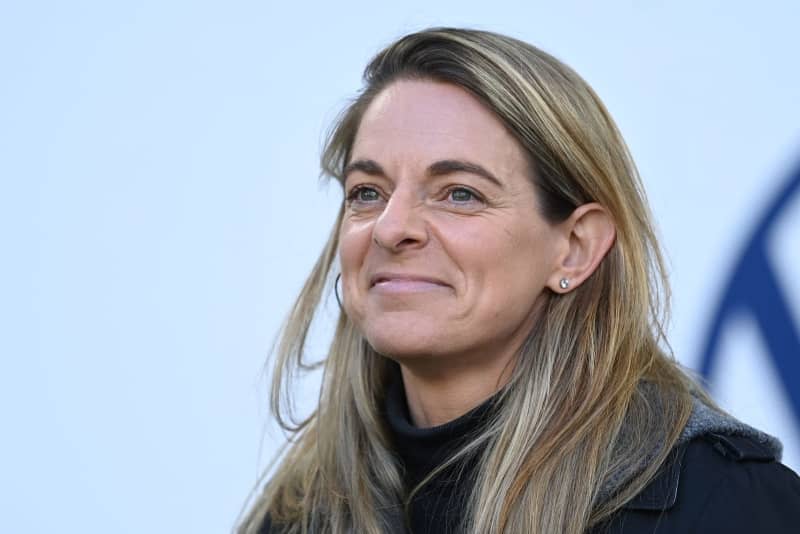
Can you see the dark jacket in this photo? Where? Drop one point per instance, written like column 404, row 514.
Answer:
column 722, row 477
column 715, row 484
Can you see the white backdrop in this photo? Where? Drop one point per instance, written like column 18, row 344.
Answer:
column 159, row 209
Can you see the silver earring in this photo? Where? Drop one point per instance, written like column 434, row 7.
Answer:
column 336, row 290
column 564, row 283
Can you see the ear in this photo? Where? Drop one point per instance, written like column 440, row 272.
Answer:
column 588, row 234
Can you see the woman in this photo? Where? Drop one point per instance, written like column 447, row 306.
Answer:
column 497, row 365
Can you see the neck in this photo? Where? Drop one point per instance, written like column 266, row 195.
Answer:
column 437, row 396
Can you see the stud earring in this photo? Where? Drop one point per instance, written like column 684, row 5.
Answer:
column 564, row 283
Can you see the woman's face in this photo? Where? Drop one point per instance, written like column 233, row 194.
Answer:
column 443, row 249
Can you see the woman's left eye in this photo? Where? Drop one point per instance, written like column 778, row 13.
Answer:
column 461, row 195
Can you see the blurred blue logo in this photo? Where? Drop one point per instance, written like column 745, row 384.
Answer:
column 755, row 288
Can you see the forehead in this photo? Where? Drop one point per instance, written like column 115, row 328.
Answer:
column 428, row 120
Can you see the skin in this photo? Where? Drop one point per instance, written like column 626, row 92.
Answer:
column 444, row 254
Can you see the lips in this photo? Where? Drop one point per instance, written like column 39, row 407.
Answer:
column 405, row 281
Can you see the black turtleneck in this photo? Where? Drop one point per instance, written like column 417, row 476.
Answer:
column 439, row 506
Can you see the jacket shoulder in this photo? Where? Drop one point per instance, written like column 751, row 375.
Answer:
column 735, row 484
column 715, row 483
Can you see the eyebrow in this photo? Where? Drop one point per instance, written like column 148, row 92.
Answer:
column 438, row 168
column 367, row 166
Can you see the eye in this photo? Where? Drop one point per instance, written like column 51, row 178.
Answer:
column 363, row 194
column 462, row 195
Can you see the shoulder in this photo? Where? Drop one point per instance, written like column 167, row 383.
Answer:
column 716, row 483
column 734, row 484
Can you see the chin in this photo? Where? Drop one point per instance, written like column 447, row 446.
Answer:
column 399, row 348
column 403, row 343
column 405, row 333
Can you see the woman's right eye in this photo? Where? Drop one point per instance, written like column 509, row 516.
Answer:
column 363, row 194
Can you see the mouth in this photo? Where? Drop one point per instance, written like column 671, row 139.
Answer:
column 404, row 283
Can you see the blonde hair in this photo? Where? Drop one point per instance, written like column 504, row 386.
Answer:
column 594, row 404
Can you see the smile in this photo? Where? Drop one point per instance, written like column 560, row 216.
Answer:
column 406, row 286
column 401, row 284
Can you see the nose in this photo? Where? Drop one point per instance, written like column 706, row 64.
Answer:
column 401, row 225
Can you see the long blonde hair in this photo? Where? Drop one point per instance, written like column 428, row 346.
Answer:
column 594, row 404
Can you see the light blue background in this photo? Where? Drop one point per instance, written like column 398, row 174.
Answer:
column 159, row 209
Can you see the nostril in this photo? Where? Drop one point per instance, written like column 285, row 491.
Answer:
column 407, row 241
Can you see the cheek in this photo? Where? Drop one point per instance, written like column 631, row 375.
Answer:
column 511, row 268
column 354, row 240
column 353, row 243
column 492, row 248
